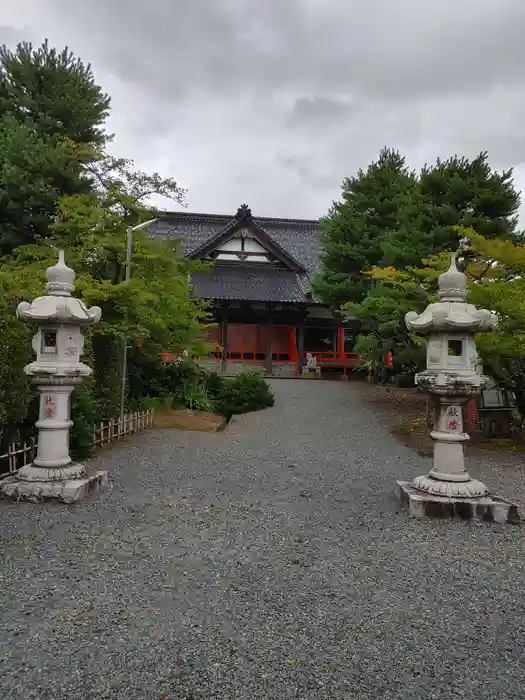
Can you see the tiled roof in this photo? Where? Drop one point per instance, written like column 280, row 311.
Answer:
column 299, row 238
column 253, row 283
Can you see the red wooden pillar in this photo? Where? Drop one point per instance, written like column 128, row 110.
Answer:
column 341, row 343
column 300, row 349
column 269, row 341
column 292, row 349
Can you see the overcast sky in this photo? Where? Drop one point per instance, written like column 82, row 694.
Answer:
column 273, row 102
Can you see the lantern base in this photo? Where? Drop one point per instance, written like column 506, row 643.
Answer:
column 68, row 491
column 70, row 472
column 488, row 508
column 455, row 486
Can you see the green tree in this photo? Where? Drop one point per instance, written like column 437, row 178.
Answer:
column 356, row 229
column 154, row 308
column 496, row 276
column 52, row 92
column 390, row 217
column 52, row 117
column 33, row 176
column 459, row 192
column 382, row 317
column 497, row 282
column 59, row 188
column 446, row 198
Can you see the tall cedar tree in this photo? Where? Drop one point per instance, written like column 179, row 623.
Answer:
column 356, row 228
column 51, row 124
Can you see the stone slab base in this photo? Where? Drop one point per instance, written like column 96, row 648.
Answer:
column 489, row 509
column 65, row 491
column 308, row 374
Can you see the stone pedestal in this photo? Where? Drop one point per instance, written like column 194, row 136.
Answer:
column 489, row 508
column 65, row 489
column 448, row 476
column 58, row 344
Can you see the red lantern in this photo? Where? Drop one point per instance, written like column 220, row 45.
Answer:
column 389, row 362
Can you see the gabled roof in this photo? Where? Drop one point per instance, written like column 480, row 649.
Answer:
column 298, row 237
column 294, row 242
column 244, row 219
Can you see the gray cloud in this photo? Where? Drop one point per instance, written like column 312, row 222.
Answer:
column 380, row 48
column 318, row 111
column 275, row 102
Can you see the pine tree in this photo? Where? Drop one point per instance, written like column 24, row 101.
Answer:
column 466, row 193
column 51, row 130
column 421, row 218
column 357, row 228
column 52, row 92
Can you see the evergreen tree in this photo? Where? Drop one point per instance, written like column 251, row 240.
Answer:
column 466, row 193
column 422, row 221
column 357, row 228
column 390, row 217
column 52, row 117
column 52, row 92
column 33, row 176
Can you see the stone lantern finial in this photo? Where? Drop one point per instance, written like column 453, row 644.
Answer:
column 452, row 284
column 60, row 278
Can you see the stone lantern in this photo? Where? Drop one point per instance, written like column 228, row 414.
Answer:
column 452, row 378
column 60, row 320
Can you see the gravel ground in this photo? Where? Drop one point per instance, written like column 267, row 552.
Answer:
column 269, row 561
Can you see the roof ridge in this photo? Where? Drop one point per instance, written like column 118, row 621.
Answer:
column 229, row 217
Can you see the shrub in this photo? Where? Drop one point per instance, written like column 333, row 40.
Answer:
column 168, row 379
column 215, row 384
column 156, row 403
column 194, row 395
column 246, row 392
column 186, row 385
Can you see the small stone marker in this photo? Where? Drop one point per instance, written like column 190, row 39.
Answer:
column 452, row 378
column 58, row 343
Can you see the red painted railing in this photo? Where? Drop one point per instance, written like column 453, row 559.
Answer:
column 324, row 359
column 335, row 359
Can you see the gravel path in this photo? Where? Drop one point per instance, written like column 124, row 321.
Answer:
column 266, row 562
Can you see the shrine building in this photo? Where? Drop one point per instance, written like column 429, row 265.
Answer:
column 260, row 291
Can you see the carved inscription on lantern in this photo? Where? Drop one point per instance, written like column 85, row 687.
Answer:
column 49, row 406
column 453, row 420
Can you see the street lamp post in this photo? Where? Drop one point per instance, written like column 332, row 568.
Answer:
column 129, row 249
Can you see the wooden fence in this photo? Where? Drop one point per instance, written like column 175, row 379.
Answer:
column 113, row 429
column 104, row 433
